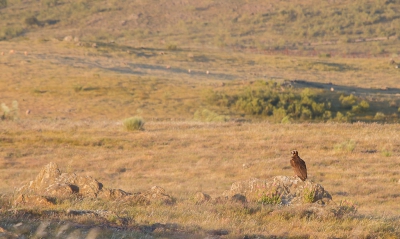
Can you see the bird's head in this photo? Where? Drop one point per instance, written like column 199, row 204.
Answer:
column 295, row 153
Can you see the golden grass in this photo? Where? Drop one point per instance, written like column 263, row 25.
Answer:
column 186, row 157
column 78, row 97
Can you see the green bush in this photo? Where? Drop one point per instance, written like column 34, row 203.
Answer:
column 286, row 120
column 309, row 195
column 363, row 106
column 133, row 123
column 347, row 102
column 379, row 116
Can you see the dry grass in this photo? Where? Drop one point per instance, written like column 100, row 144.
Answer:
column 186, row 157
column 78, row 97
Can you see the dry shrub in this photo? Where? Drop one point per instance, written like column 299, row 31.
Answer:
column 133, row 123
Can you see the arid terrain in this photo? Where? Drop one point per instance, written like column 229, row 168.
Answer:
column 223, row 92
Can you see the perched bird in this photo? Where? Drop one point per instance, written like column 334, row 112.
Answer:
column 298, row 165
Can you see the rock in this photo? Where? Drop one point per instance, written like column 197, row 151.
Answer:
column 289, row 190
column 61, row 190
column 158, row 194
column 200, row 197
column 51, row 184
column 47, row 176
column 33, row 200
column 84, row 185
column 68, row 38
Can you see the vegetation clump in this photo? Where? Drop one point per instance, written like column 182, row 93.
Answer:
column 10, row 114
column 270, row 197
column 134, row 123
column 309, row 195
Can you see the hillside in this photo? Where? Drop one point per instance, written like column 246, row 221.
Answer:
column 340, row 27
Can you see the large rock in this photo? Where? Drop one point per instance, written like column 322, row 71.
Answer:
column 50, row 183
column 46, row 177
column 24, row 199
column 280, row 189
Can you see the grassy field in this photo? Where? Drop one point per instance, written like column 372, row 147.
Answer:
column 226, row 91
column 356, row 163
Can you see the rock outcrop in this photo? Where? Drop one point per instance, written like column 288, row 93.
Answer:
column 51, row 184
column 282, row 189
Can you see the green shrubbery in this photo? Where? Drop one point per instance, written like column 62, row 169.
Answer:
column 269, row 99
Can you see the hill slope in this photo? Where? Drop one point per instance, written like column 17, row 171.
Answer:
column 304, row 25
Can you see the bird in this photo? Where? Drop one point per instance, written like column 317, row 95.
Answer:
column 298, row 165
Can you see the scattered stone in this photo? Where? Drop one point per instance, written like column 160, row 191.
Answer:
column 68, row 38
column 200, row 197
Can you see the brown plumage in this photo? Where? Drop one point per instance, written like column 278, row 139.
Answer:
column 298, row 165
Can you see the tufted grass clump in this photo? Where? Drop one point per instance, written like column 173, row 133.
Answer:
column 9, row 113
column 309, row 195
column 133, row 123
column 272, row 197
